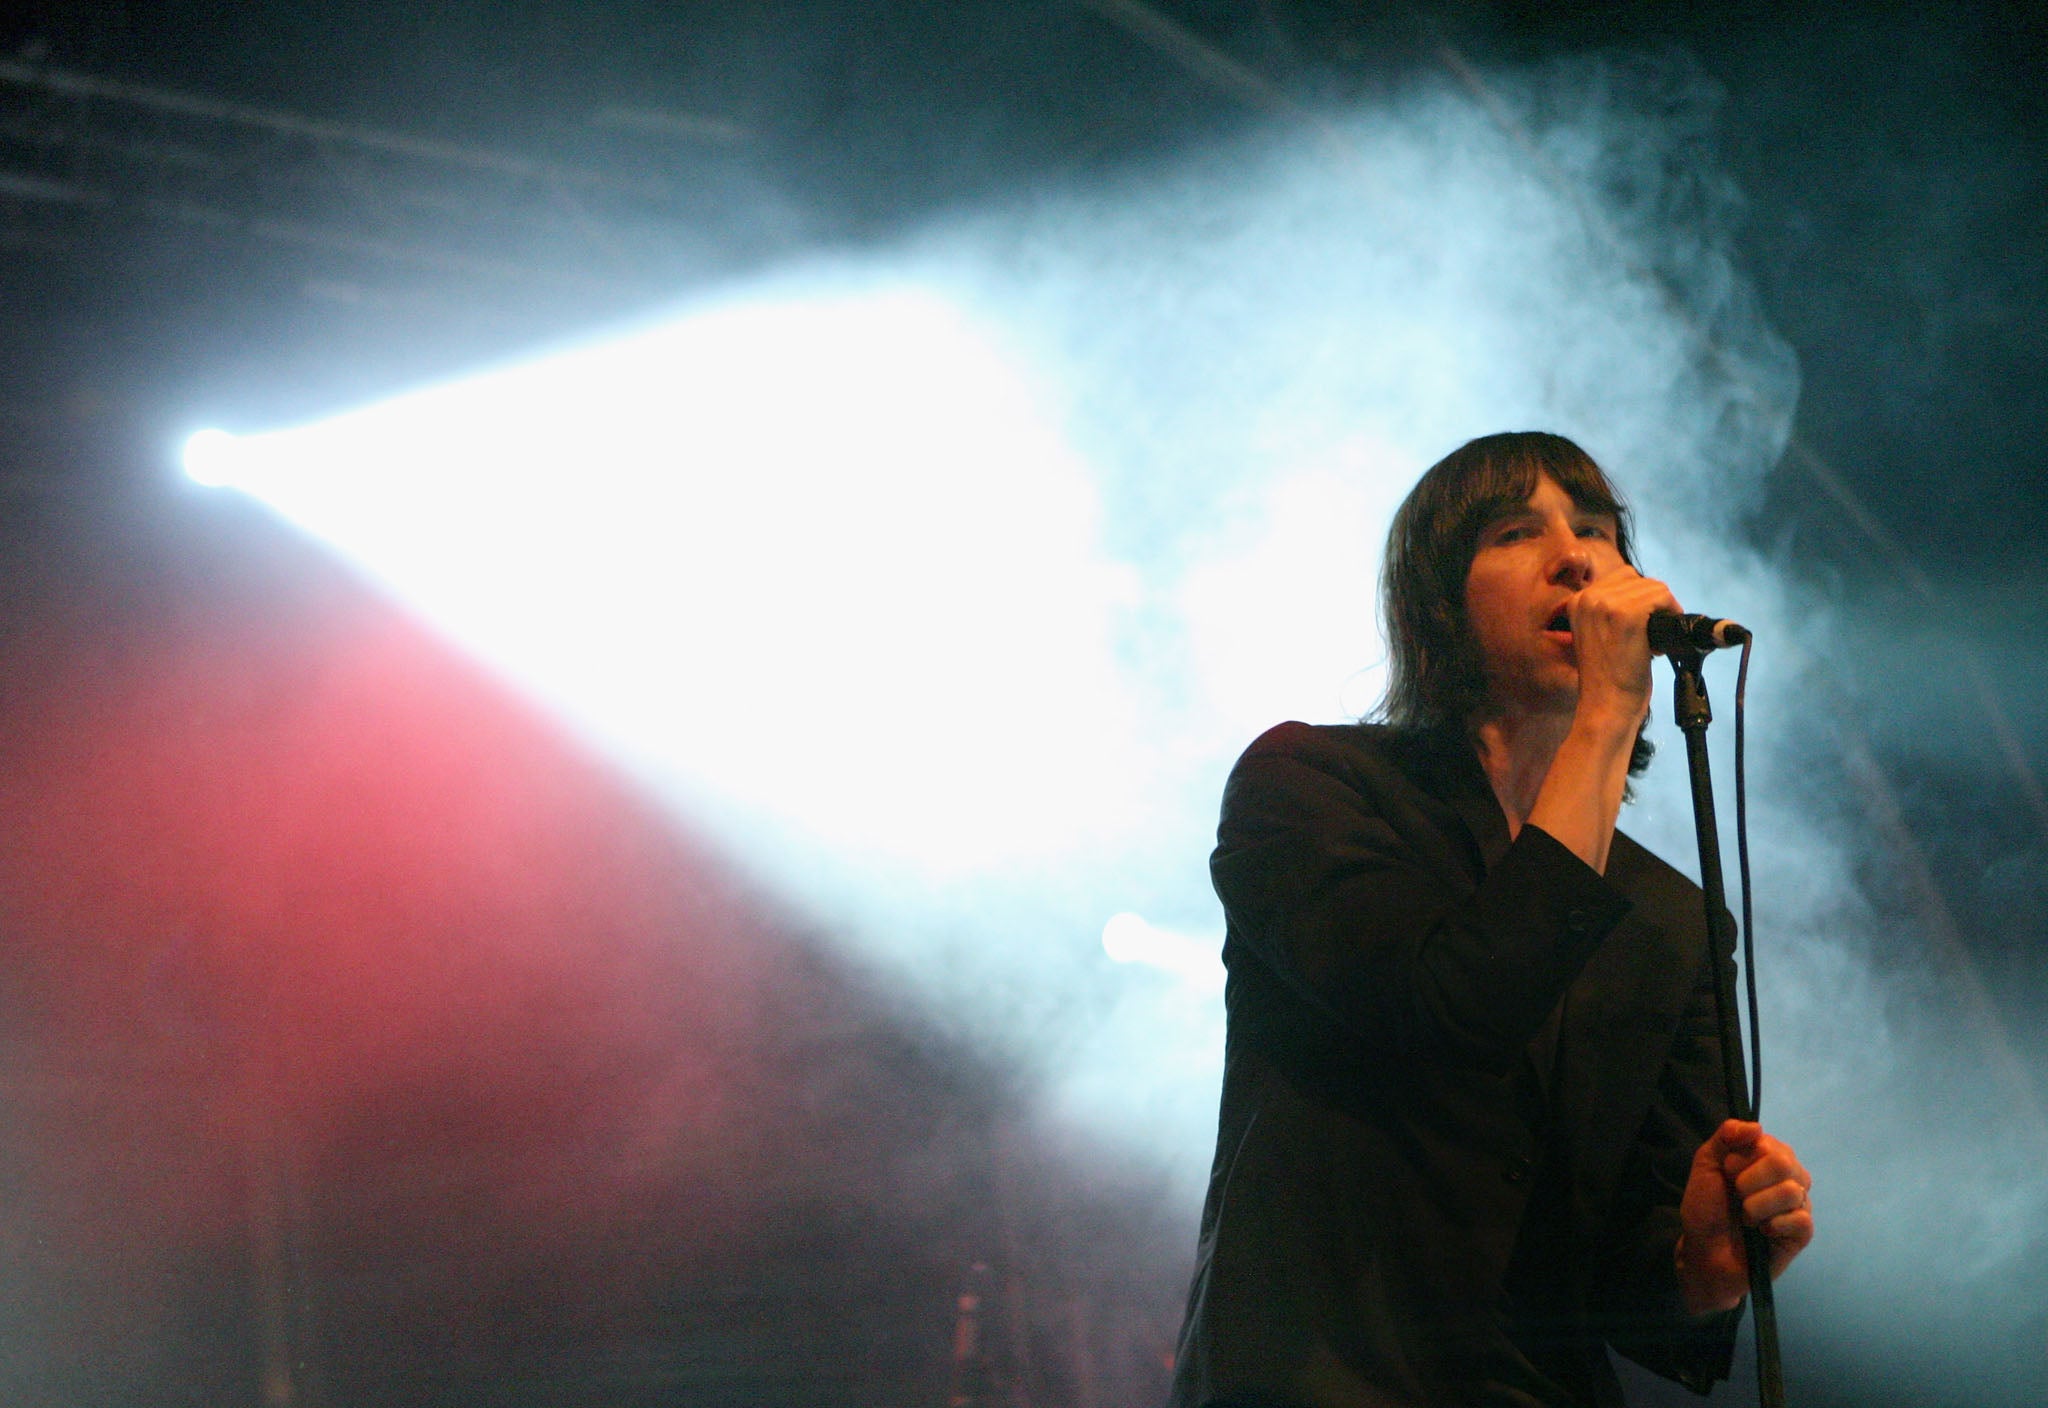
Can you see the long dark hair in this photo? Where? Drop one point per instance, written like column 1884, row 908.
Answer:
column 1435, row 677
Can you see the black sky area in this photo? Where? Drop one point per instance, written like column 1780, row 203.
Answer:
column 1893, row 166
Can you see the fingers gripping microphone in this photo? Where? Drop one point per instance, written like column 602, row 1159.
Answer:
column 1671, row 630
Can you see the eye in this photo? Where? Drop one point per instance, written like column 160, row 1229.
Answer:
column 1596, row 530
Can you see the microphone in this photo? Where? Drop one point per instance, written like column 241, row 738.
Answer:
column 1675, row 631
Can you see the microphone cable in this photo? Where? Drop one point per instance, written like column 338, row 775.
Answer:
column 1756, row 1046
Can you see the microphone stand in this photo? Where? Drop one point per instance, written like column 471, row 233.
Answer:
column 1693, row 713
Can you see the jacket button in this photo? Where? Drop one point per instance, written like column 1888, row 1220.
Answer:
column 1578, row 921
column 1520, row 1169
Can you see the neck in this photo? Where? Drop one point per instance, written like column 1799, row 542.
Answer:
column 1516, row 750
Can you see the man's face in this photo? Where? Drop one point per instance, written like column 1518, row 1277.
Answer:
column 1529, row 565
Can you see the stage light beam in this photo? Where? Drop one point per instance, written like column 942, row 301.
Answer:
column 820, row 554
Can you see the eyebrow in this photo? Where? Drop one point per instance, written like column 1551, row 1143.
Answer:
column 1501, row 509
column 1511, row 511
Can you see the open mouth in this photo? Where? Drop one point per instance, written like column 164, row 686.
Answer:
column 1562, row 621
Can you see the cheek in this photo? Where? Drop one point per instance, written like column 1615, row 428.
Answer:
column 1483, row 609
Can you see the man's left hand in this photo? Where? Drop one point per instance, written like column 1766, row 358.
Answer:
column 1741, row 1177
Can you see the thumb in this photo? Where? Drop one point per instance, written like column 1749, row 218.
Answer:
column 1732, row 1138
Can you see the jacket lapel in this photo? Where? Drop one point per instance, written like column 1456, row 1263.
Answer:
column 1624, row 1007
column 1462, row 783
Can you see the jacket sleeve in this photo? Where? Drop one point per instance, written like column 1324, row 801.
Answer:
column 1344, row 881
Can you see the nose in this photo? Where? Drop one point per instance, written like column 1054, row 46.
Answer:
column 1573, row 567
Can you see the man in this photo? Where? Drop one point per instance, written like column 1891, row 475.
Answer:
column 1472, row 1126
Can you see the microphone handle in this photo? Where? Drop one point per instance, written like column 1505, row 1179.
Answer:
column 1678, row 631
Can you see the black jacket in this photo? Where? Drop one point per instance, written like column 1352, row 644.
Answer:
column 1463, row 1084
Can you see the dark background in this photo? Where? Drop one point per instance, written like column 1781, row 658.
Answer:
column 204, row 1203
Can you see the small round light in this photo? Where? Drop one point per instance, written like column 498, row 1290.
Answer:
column 209, row 458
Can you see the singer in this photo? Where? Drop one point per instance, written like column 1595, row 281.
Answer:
column 1472, row 1128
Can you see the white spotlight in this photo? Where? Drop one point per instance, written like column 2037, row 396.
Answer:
column 210, row 458
column 799, row 552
